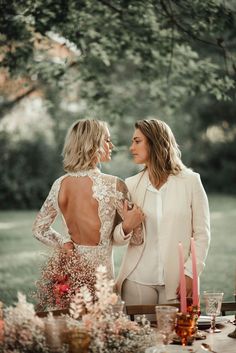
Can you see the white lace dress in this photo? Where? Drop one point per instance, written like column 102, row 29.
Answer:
column 110, row 193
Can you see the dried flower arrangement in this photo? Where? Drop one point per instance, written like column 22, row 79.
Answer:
column 23, row 331
column 91, row 311
column 110, row 332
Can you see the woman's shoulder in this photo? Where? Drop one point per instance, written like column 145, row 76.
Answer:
column 59, row 179
column 112, row 179
column 134, row 178
column 108, row 176
column 119, row 184
column 55, row 187
column 187, row 175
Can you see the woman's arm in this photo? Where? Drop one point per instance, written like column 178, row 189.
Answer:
column 130, row 228
column 42, row 229
column 200, row 225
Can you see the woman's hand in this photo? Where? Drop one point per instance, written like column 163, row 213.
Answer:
column 189, row 287
column 68, row 247
column 133, row 217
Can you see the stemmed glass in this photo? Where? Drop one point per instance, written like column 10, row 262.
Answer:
column 166, row 320
column 213, row 302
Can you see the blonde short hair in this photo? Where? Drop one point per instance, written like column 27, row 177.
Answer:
column 83, row 145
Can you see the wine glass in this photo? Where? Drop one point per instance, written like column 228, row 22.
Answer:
column 166, row 320
column 213, row 302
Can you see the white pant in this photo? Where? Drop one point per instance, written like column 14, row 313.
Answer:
column 134, row 293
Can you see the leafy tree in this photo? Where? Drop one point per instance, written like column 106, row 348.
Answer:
column 124, row 59
column 126, row 50
column 24, row 181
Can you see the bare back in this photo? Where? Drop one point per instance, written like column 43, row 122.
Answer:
column 80, row 210
column 90, row 205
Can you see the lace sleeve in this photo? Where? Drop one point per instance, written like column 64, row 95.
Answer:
column 42, row 229
column 123, row 194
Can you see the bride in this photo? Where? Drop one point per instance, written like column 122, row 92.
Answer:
column 94, row 209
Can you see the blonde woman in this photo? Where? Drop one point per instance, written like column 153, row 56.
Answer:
column 176, row 208
column 93, row 206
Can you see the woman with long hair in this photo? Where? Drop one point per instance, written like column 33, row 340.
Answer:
column 176, row 208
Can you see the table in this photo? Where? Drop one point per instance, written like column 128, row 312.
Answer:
column 220, row 342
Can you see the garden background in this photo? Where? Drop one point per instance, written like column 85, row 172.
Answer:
column 118, row 61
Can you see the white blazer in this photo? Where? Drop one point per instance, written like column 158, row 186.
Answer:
column 185, row 214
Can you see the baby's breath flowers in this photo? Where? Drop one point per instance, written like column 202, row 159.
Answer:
column 61, row 277
column 110, row 332
column 91, row 321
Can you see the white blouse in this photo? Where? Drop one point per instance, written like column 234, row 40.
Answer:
column 151, row 257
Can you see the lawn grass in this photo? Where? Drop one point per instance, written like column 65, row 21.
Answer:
column 21, row 254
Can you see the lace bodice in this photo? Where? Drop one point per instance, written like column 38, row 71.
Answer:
column 110, row 193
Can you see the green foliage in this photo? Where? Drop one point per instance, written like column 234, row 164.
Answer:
column 207, row 133
column 130, row 60
column 152, row 44
column 27, row 170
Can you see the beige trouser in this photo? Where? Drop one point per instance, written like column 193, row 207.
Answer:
column 134, row 293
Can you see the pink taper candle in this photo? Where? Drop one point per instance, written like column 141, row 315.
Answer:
column 195, row 275
column 183, row 300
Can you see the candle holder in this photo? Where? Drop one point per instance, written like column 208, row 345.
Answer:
column 186, row 327
column 192, row 308
column 196, row 312
column 55, row 328
column 78, row 339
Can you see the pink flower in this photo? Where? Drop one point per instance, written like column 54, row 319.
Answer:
column 63, row 288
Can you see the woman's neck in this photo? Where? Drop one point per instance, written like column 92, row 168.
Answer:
column 157, row 183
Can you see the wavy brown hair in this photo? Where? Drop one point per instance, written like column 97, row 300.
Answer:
column 83, row 145
column 164, row 153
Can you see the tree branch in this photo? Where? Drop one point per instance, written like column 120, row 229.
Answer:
column 5, row 106
column 172, row 48
column 183, row 29
column 107, row 3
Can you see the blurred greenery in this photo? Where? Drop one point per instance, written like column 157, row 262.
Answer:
column 118, row 61
column 123, row 50
column 21, row 255
column 25, row 180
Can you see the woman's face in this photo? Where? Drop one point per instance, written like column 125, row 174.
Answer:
column 139, row 148
column 107, row 147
